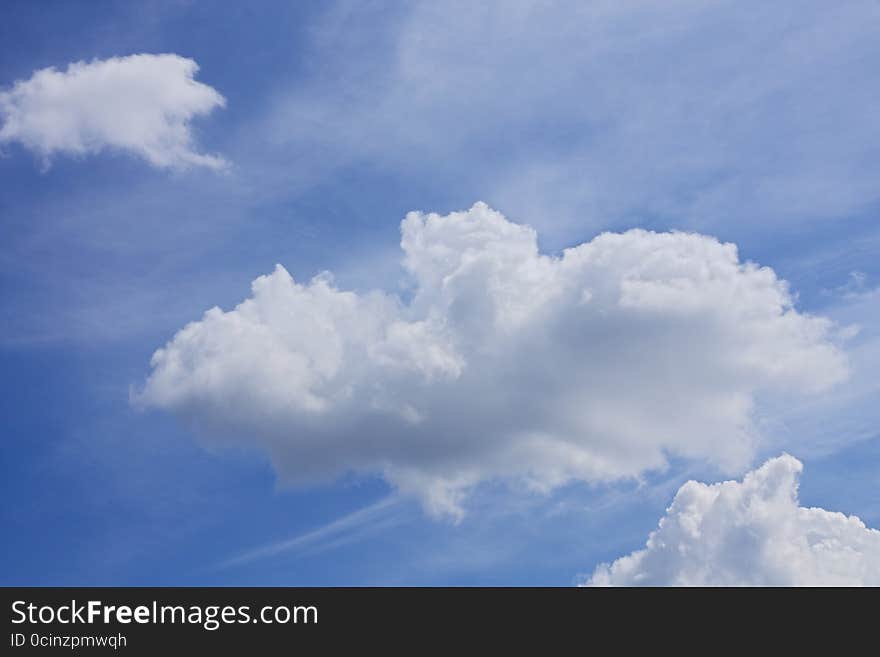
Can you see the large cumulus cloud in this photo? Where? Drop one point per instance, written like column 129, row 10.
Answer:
column 751, row 533
column 503, row 363
column 141, row 104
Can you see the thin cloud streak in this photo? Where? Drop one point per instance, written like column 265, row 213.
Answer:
column 337, row 532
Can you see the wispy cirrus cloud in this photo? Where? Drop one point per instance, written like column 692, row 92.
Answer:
column 605, row 114
column 506, row 363
column 340, row 531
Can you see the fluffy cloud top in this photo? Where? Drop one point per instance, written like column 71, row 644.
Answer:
column 141, row 104
column 751, row 533
column 505, row 363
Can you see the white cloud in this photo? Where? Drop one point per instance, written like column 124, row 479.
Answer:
column 505, row 363
column 141, row 104
column 751, row 533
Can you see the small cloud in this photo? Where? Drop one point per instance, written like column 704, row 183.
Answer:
column 855, row 288
column 140, row 104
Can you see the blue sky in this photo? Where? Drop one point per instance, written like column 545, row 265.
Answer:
column 755, row 124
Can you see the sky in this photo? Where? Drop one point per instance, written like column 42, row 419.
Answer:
column 439, row 293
